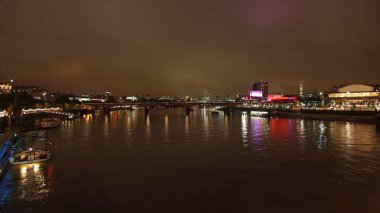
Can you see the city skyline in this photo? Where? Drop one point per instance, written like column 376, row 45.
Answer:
column 184, row 48
column 189, row 106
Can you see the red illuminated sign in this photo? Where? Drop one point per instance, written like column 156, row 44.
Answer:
column 281, row 98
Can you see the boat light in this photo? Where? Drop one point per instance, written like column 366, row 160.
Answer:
column 23, row 170
column 36, row 167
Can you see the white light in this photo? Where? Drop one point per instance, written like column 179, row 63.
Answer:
column 36, row 167
column 23, row 170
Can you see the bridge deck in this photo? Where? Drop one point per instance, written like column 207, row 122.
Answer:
column 169, row 104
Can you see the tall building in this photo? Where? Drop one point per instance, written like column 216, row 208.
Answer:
column 301, row 90
column 261, row 86
column 206, row 96
column 108, row 94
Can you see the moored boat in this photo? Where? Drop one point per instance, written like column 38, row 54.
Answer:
column 31, row 149
column 214, row 112
column 49, row 123
column 259, row 113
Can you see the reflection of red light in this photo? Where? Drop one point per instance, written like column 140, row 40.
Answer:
column 50, row 172
column 281, row 129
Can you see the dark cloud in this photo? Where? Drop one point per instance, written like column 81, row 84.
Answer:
column 183, row 47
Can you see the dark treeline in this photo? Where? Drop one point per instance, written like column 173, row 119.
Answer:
column 20, row 100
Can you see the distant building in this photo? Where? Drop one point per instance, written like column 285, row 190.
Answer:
column 279, row 98
column 301, row 90
column 31, row 90
column 256, row 94
column 108, row 94
column 243, row 97
column 131, row 98
column 88, row 98
column 313, row 100
column 59, row 97
column 355, row 97
column 5, row 88
column 261, row 86
column 206, row 96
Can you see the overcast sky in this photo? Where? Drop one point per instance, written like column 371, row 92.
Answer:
column 178, row 47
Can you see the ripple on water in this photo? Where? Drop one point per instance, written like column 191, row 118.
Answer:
column 168, row 160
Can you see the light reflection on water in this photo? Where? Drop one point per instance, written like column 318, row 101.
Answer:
column 106, row 126
column 122, row 157
column 226, row 125
column 148, row 129
column 28, row 183
column 32, row 183
column 205, row 123
column 166, row 128
column 187, row 125
column 244, row 129
column 322, row 141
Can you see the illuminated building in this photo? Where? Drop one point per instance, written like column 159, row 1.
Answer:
column 36, row 91
column 301, row 90
column 281, row 101
column 254, row 94
column 88, row 98
column 206, row 96
column 282, row 98
column 261, row 86
column 108, row 94
column 131, row 98
column 243, row 97
column 354, row 97
column 313, row 100
column 5, row 88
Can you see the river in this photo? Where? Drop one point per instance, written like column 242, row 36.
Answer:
column 168, row 161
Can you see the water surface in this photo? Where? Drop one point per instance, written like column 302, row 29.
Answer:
column 168, row 161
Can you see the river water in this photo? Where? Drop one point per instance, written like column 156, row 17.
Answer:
column 168, row 161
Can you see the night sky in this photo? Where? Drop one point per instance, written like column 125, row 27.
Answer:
column 177, row 47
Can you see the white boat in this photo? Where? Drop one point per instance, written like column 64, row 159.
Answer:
column 49, row 123
column 259, row 113
column 13, row 162
column 31, row 150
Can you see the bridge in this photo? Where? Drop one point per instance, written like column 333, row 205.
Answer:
column 161, row 104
